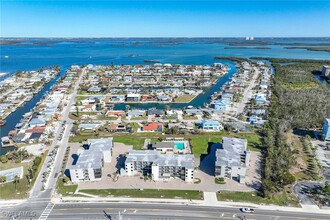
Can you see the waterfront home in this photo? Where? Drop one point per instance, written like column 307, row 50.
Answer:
column 5, row 140
column 133, row 97
column 155, row 112
column 135, row 113
column 227, row 96
column 91, row 161
column 117, row 113
column 161, row 167
column 88, row 127
column 326, row 130
column 164, row 98
column 221, row 105
column 193, row 111
column 211, row 125
column 153, row 127
column 118, row 98
column 37, row 122
column 232, row 159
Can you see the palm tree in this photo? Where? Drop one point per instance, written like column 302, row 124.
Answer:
column 16, row 180
column 127, row 107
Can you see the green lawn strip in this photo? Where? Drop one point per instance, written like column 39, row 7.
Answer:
column 146, row 193
column 65, row 190
column 281, row 198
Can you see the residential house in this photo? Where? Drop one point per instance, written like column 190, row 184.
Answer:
column 133, row 97
column 153, row 127
column 211, row 125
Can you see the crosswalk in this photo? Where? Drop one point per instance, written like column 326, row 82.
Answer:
column 47, row 211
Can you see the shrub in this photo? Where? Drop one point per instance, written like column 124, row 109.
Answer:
column 4, row 159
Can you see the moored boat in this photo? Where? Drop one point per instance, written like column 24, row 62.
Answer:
column 2, row 122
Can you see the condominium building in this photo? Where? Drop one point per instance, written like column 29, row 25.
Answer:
column 232, row 159
column 160, row 166
column 326, row 71
column 326, row 130
column 91, row 160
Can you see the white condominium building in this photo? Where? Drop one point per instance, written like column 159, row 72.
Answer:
column 91, row 160
column 160, row 166
column 232, row 159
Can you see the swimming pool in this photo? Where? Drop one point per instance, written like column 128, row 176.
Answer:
column 179, row 145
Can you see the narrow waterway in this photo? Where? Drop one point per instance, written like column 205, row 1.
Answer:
column 199, row 101
column 16, row 116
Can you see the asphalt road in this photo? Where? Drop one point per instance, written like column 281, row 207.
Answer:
column 37, row 191
column 165, row 211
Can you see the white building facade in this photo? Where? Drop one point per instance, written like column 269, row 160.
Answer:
column 160, row 167
column 232, row 159
column 90, row 162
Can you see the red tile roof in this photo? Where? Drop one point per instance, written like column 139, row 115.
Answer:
column 153, row 126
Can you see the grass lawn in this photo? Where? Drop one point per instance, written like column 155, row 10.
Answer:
column 8, row 191
column 65, row 190
column 137, row 142
column 281, row 198
column 184, row 98
column 190, row 117
column 199, row 143
column 146, row 193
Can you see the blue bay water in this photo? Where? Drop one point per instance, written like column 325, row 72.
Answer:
column 93, row 51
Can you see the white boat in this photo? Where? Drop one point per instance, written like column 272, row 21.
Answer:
column 6, row 56
column 3, row 74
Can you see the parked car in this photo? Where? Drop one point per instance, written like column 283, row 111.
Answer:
column 247, row 210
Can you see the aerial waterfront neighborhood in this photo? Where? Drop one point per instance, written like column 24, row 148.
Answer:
column 164, row 110
column 92, row 134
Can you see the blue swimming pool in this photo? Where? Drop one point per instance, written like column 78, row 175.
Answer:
column 179, row 145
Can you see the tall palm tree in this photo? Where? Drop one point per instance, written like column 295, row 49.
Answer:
column 16, row 180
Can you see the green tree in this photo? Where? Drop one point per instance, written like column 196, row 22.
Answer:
column 3, row 179
column 4, row 159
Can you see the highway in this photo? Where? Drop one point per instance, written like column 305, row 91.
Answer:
column 166, row 211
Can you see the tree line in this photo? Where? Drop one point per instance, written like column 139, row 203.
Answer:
column 298, row 101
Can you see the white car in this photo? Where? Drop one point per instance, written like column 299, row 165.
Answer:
column 247, row 210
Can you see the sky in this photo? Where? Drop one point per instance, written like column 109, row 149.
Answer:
column 156, row 18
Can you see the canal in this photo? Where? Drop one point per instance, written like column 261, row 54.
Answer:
column 199, row 101
column 16, row 116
